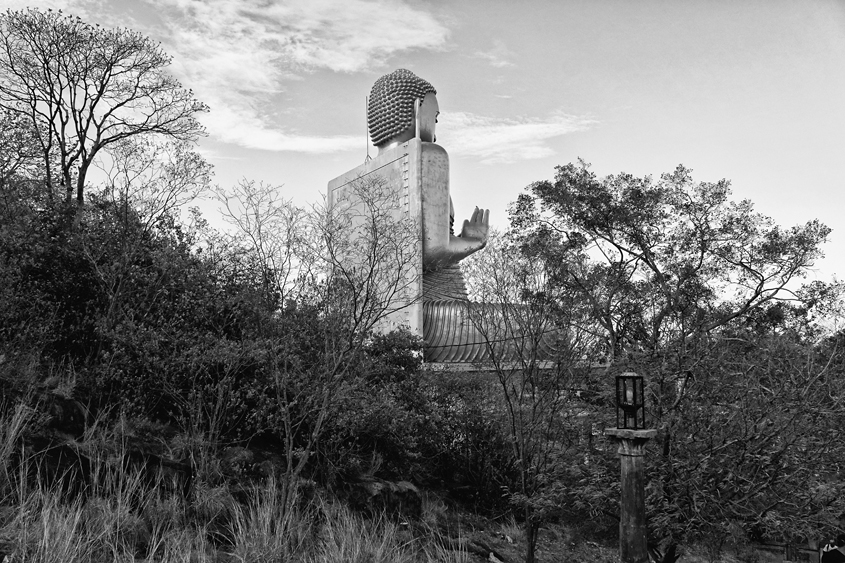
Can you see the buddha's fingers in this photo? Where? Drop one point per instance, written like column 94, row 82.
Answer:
column 486, row 219
column 474, row 217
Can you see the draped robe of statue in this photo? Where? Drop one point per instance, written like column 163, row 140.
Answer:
column 402, row 113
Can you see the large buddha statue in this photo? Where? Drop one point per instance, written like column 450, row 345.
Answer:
column 402, row 116
column 403, row 106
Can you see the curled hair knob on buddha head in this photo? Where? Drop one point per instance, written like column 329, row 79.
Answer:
column 390, row 109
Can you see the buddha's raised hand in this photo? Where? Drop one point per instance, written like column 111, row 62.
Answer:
column 443, row 249
column 475, row 228
column 473, row 237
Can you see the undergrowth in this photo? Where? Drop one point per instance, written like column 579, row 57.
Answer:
column 120, row 515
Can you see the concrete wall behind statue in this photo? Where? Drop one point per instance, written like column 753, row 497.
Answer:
column 385, row 195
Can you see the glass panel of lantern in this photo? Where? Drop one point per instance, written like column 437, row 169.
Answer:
column 630, row 402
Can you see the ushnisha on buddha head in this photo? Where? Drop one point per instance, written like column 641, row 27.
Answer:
column 390, row 109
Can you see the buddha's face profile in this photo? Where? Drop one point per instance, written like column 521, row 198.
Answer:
column 390, row 109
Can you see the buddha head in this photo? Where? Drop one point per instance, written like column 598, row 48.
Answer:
column 390, row 110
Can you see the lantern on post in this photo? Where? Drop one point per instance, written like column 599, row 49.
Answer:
column 631, row 435
column 630, row 402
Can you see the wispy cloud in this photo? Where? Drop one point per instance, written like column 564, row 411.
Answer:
column 340, row 35
column 498, row 55
column 495, row 140
column 239, row 55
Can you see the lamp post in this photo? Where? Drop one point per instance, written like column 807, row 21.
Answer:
column 632, row 435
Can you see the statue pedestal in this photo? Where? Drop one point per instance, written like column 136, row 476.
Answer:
column 633, row 532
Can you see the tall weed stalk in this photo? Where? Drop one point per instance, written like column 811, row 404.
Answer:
column 46, row 530
column 13, row 423
column 268, row 530
column 346, row 538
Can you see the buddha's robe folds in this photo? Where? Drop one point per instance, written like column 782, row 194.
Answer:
column 451, row 321
column 448, row 332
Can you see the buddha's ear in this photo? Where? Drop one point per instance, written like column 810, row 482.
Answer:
column 426, row 117
column 417, row 103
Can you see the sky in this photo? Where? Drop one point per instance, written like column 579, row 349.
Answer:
column 750, row 91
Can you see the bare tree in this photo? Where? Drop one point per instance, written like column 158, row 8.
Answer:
column 334, row 274
column 83, row 87
column 152, row 177
column 539, row 357
column 147, row 181
column 275, row 236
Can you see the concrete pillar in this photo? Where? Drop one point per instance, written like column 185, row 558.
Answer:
column 633, row 532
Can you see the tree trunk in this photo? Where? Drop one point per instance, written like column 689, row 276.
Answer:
column 80, row 183
column 531, row 530
column 48, row 177
column 67, row 184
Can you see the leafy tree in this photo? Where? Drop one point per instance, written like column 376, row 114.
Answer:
column 382, row 420
column 660, row 262
column 756, row 442
column 665, row 271
column 19, row 150
column 82, row 88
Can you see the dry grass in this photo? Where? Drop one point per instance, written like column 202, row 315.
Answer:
column 13, row 423
column 122, row 517
column 137, row 525
column 268, row 529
